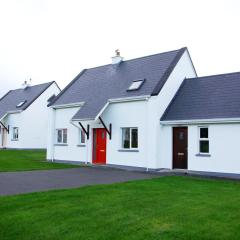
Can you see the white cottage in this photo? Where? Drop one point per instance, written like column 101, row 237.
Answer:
column 24, row 116
column 111, row 114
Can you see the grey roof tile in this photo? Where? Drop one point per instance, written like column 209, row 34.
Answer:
column 96, row 86
column 10, row 100
column 210, row 97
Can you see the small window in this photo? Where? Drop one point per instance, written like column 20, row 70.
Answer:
column 15, row 134
column 82, row 138
column 62, row 136
column 129, row 138
column 203, row 140
column 20, row 104
column 135, row 85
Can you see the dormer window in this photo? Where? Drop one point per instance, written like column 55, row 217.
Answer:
column 136, row 84
column 20, row 104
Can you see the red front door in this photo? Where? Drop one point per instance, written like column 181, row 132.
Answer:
column 99, row 145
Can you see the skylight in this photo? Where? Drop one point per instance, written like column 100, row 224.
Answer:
column 21, row 103
column 136, row 84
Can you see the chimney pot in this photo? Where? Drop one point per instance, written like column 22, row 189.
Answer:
column 117, row 58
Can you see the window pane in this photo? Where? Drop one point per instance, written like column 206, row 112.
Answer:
column 64, row 135
column 204, row 146
column 126, row 138
column 59, row 136
column 203, row 132
column 15, row 133
column 134, row 138
column 135, row 85
column 82, row 136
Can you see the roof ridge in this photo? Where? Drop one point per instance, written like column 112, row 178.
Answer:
column 215, row 75
column 168, row 71
column 173, row 99
column 137, row 58
column 47, row 83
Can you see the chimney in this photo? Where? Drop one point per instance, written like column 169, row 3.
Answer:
column 26, row 84
column 117, row 58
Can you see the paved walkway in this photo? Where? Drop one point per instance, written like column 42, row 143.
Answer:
column 34, row 181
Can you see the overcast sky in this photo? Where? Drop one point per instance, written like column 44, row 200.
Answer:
column 55, row 39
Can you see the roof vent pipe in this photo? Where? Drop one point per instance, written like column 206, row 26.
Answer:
column 117, row 58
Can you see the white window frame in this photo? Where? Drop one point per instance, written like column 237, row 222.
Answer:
column 130, row 138
column 80, row 142
column 203, row 139
column 15, row 135
column 61, row 129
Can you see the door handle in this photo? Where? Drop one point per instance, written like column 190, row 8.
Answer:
column 180, row 154
column 102, row 150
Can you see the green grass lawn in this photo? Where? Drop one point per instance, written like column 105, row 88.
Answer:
column 24, row 160
column 164, row 208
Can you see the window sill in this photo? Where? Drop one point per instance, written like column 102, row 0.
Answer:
column 60, row 144
column 128, row 150
column 81, row 145
column 203, row 155
column 14, row 140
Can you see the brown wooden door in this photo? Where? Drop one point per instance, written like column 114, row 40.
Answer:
column 180, row 143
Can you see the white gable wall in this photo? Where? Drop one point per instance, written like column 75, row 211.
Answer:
column 157, row 106
column 32, row 122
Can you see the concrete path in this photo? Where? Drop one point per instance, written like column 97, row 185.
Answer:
column 33, row 181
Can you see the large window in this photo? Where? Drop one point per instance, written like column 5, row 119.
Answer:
column 203, row 140
column 62, row 136
column 82, row 139
column 129, row 138
column 15, row 133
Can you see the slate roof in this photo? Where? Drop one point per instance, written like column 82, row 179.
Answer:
column 10, row 100
column 210, row 97
column 97, row 85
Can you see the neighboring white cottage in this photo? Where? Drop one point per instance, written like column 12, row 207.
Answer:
column 24, row 116
column 111, row 114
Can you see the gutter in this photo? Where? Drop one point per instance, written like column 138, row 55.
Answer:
column 201, row 121
column 68, row 105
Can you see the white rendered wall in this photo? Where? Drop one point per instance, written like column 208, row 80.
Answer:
column 14, row 120
column 157, row 106
column 32, row 122
column 71, row 151
column 128, row 114
column 224, row 142
column 131, row 114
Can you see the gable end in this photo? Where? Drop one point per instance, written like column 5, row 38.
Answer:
column 169, row 70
